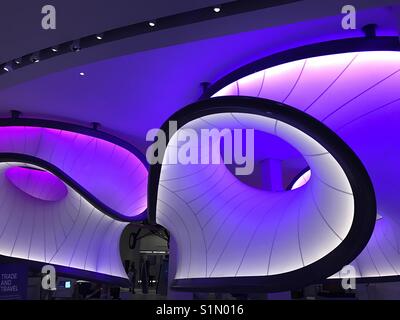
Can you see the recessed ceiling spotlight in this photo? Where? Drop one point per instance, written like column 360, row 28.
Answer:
column 217, row 9
column 99, row 36
column 75, row 46
column 18, row 61
column 35, row 57
column 7, row 67
column 81, row 73
column 152, row 24
column 54, row 49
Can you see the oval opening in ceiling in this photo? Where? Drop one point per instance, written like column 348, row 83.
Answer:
column 37, row 183
column 276, row 162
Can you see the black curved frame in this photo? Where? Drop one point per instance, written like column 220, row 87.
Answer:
column 98, row 204
column 303, row 52
column 363, row 192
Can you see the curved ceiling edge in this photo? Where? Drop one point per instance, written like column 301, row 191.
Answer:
column 303, row 52
column 54, row 124
column 11, row 157
column 362, row 44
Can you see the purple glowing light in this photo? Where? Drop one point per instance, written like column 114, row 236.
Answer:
column 109, row 172
column 37, row 183
column 51, row 222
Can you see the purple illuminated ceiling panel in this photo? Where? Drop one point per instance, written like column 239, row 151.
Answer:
column 355, row 94
column 335, row 89
column 37, row 183
column 66, row 231
column 64, row 193
column 108, row 172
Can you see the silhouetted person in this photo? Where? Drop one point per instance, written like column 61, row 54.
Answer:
column 132, row 277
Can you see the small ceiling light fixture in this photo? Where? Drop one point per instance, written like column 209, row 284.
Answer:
column 217, row 9
column 18, row 61
column 35, row 57
column 54, row 49
column 99, row 36
column 7, row 67
column 152, row 24
column 75, row 46
column 81, row 73
column 96, row 125
column 369, row 30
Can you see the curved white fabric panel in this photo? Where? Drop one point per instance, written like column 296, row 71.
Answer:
column 381, row 256
column 224, row 228
column 356, row 95
column 68, row 232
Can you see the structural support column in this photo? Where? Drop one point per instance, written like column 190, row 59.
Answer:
column 271, row 173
